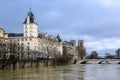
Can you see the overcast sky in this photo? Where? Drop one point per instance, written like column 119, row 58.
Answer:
column 97, row 22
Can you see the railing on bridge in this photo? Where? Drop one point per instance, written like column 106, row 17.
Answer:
column 98, row 61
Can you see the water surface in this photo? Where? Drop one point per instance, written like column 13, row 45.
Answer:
column 70, row 72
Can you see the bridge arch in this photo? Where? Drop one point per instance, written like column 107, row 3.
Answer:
column 104, row 62
column 98, row 61
column 83, row 62
column 118, row 62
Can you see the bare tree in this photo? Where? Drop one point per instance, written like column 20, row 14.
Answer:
column 50, row 48
column 93, row 55
column 3, row 50
column 11, row 49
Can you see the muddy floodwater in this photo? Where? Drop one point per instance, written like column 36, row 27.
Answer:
column 69, row 72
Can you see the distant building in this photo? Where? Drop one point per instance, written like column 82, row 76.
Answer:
column 69, row 47
column 81, row 49
column 109, row 56
column 117, row 53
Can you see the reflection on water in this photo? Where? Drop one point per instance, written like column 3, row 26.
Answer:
column 71, row 72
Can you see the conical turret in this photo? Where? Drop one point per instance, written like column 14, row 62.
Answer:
column 30, row 18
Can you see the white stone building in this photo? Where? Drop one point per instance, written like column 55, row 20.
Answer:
column 33, row 44
column 3, row 35
column 3, row 42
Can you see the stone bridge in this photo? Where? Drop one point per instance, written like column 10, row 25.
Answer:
column 98, row 61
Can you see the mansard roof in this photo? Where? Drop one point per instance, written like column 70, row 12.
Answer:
column 15, row 34
column 40, row 35
column 49, row 37
column 69, row 43
column 30, row 18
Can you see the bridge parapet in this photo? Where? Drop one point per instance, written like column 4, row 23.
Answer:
column 97, row 61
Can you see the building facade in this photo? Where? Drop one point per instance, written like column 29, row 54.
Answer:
column 117, row 53
column 33, row 44
column 3, row 42
column 81, row 49
column 69, row 47
column 3, row 36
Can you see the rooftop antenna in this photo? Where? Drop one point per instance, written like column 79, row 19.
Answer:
column 30, row 5
column 30, row 9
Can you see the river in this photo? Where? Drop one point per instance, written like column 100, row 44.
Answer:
column 69, row 72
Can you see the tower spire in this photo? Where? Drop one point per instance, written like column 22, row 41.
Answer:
column 30, row 5
column 30, row 9
column 30, row 18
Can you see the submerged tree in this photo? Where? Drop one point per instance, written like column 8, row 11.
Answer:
column 93, row 55
column 50, row 48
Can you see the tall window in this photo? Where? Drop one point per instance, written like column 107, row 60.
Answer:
column 28, row 48
column 22, row 44
column 26, row 31
column 25, row 39
column 18, row 48
column 26, row 27
column 25, row 34
column 22, row 39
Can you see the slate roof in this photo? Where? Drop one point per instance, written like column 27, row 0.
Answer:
column 31, row 17
column 15, row 34
column 40, row 35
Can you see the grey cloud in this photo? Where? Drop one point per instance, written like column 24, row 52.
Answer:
column 67, row 17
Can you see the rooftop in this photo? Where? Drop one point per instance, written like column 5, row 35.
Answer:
column 30, row 18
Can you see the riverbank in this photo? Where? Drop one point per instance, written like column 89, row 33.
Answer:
column 14, row 64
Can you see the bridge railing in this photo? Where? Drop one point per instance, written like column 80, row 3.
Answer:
column 99, row 59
